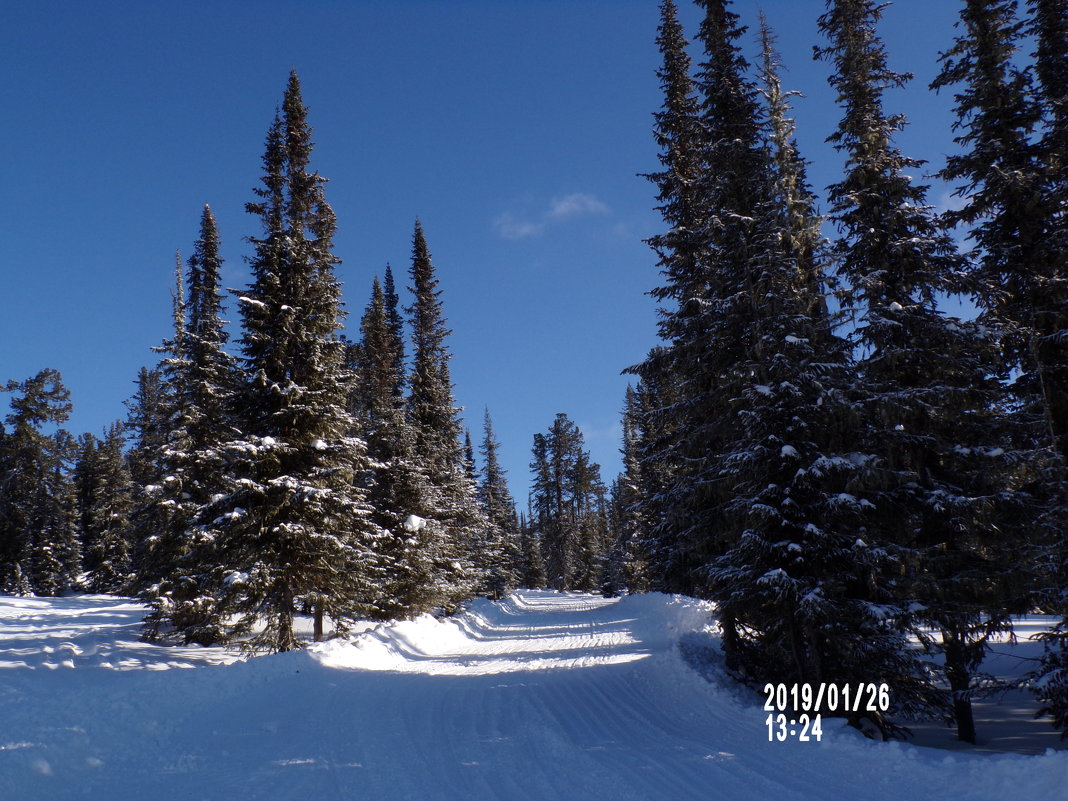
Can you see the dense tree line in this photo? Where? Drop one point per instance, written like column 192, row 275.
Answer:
column 308, row 474
column 816, row 444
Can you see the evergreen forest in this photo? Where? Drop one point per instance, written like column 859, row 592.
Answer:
column 869, row 486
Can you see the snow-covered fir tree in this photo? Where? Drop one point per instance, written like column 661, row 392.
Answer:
column 379, row 406
column 56, row 564
column 452, row 524
column 201, row 377
column 500, row 559
column 1011, row 121
column 1049, row 27
column 160, row 506
column 147, row 417
column 532, row 563
column 107, row 524
column 34, row 512
column 802, row 236
column 293, row 529
column 626, row 565
column 792, row 578
column 1012, row 184
column 930, row 399
column 669, row 375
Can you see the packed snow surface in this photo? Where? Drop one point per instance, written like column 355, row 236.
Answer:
column 542, row 696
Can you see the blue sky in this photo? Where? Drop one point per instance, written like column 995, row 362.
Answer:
column 514, row 130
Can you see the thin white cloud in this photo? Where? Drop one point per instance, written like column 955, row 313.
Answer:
column 576, row 205
column 561, row 209
column 510, row 227
column 611, row 433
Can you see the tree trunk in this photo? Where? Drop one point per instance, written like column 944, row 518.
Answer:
column 286, row 639
column 959, row 684
column 729, row 631
column 318, row 630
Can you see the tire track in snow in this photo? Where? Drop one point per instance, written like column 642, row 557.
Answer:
column 543, row 697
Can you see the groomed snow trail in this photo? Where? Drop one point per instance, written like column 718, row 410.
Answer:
column 542, row 696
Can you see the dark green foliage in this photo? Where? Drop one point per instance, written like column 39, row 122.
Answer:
column 670, row 375
column 669, row 569
column 57, row 559
column 200, row 379
column 751, row 479
column 379, row 408
column 38, row 552
column 470, row 465
column 161, row 511
column 1009, row 205
column 802, row 239
column 148, row 419
column 500, row 558
column 796, row 584
column 532, row 564
column 106, row 531
column 293, row 529
column 444, row 493
column 626, row 565
column 931, row 405
column 568, row 508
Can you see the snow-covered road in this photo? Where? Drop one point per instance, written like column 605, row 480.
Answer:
column 543, row 696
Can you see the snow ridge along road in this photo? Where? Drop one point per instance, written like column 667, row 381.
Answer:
column 542, row 696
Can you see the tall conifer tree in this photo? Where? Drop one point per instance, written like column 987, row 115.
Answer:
column 930, row 400
column 446, row 496
column 380, row 409
column 666, row 372
column 108, row 524
column 29, row 461
column 293, row 529
column 501, row 557
column 568, row 499
column 174, row 558
column 147, row 419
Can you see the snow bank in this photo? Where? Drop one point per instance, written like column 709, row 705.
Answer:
column 471, row 643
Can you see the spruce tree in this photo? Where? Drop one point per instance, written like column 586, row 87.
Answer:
column 1012, row 174
column 709, row 332
column 802, row 238
column 1005, row 203
column 791, row 577
column 293, row 529
column 568, row 500
column 445, row 494
column 667, row 374
column 379, row 407
column 34, row 519
column 668, row 569
column 931, row 404
column 470, row 465
column 175, row 557
column 500, row 560
column 161, row 506
column 107, row 529
column 84, row 478
column 532, row 564
column 57, row 557
column 148, row 419
column 627, row 567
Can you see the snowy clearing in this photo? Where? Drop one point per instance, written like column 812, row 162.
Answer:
column 543, row 696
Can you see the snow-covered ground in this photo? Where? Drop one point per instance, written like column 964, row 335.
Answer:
column 543, row 696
